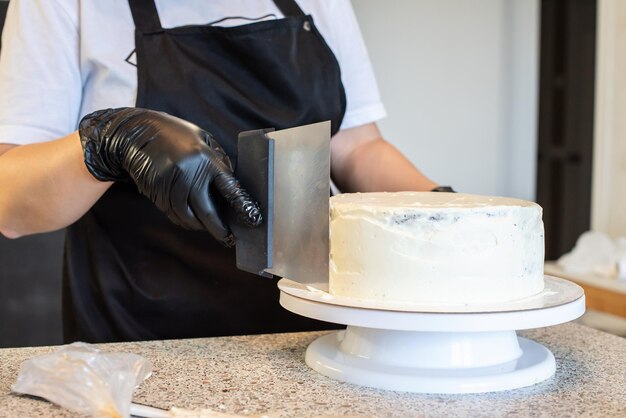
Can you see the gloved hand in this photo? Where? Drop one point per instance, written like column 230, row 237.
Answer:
column 174, row 163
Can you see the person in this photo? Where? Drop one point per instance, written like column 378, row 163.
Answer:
column 119, row 122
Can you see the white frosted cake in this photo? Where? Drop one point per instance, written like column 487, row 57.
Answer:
column 435, row 248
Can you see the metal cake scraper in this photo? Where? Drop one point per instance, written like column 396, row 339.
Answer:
column 288, row 173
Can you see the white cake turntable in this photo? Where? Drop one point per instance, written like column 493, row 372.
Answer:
column 434, row 348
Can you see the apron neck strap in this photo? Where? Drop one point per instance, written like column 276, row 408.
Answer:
column 289, row 8
column 145, row 16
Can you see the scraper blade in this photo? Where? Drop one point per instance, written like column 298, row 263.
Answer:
column 288, row 172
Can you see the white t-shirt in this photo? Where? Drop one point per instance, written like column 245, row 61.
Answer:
column 62, row 59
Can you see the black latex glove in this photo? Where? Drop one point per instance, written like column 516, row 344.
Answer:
column 177, row 165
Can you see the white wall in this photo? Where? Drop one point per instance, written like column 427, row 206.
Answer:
column 459, row 81
column 608, row 202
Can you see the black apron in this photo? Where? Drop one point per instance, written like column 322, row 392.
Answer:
column 131, row 274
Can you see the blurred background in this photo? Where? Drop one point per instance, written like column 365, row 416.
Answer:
column 516, row 98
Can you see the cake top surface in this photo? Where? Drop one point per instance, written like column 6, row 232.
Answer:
column 424, row 200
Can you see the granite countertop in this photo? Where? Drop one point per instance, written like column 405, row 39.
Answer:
column 266, row 373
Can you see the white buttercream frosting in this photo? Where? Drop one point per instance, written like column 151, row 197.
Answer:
column 422, row 247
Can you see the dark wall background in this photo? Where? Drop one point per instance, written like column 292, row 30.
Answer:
column 3, row 11
column 30, row 284
column 30, row 290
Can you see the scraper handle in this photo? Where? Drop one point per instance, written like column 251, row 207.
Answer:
column 255, row 172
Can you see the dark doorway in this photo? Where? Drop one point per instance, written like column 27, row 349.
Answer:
column 566, row 107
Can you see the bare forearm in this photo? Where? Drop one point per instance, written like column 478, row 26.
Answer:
column 364, row 162
column 45, row 186
column 379, row 166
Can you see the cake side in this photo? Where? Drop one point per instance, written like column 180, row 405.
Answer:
column 435, row 248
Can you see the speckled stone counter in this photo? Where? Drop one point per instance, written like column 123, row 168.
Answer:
column 266, row 373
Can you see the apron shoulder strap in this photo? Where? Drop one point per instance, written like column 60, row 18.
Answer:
column 145, row 16
column 289, row 8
